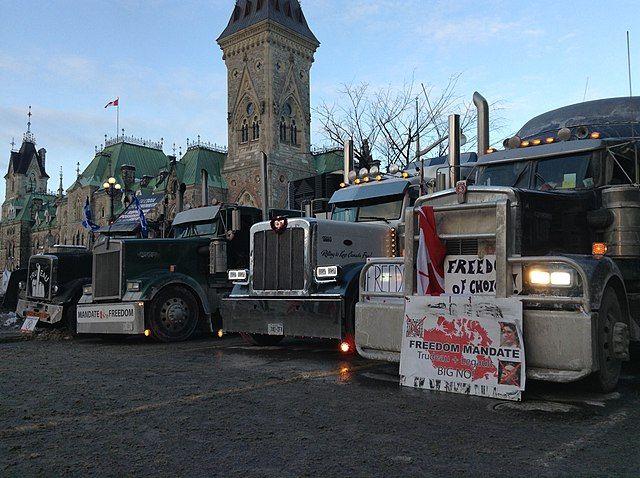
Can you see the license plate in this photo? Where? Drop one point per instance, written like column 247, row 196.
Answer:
column 275, row 329
column 470, row 275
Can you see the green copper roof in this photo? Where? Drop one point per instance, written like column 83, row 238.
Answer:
column 148, row 161
column 328, row 161
column 198, row 158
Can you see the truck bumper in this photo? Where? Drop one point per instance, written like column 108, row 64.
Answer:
column 48, row 313
column 299, row 317
column 559, row 345
column 115, row 318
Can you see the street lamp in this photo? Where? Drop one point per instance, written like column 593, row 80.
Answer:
column 112, row 188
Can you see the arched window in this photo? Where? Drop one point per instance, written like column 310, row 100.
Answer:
column 283, row 130
column 244, row 132
column 256, row 128
column 294, row 132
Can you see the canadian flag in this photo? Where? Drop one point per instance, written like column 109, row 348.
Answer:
column 113, row 103
column 431, row 253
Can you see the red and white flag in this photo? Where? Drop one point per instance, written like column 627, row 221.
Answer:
column 113, row 103
column 431, row 253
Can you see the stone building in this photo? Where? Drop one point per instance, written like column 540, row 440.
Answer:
column 268, row 49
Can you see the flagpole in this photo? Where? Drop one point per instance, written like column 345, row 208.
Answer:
column 118, row 119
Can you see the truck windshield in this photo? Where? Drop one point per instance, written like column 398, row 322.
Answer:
column 196, row 229
column 557, row 173
column 377, row 209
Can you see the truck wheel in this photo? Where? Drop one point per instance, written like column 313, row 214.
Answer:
column 606, row 378
column 174, row 315
column 261, row 339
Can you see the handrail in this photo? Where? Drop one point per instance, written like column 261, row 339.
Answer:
column 363, row 277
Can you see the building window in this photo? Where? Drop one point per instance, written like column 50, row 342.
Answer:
column 283, row 130
column 244, row 132
column 294, row 132
column 256, row 128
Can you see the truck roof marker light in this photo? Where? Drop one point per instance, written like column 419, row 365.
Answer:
column 405, row 174
column 594, row 135
column 536, row 142
column 599, row 248
column 357, row 181
column 490, row 150
column 343, row 185
column 379, row 177
column 147, row 333
column 549, row 140
column 366, row 179
column 524, row 144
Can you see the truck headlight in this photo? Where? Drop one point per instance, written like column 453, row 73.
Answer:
column 55, row 289
column 133, row 286
column 238, row 276
column 87, row 290
column 545, row 277
column 22, row 285
column 327, row 273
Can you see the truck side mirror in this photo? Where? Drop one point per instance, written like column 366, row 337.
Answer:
column 236, row 220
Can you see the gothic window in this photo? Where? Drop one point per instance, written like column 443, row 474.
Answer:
column 287, row 9
column 294, row 132
column 244, row 132
column 288, row 110
column 256, row 128
column 247, row 9
column 283, row 130
column 250, row 109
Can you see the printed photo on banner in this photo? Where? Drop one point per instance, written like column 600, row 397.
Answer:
column 470, row 345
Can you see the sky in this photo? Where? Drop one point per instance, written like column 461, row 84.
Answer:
column 67, row 59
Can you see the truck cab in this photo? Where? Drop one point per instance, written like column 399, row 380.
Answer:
column 302, row 277
column 167, row 288
column 555, row 216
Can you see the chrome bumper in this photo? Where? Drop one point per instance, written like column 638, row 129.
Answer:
column 559, row 345
column 114, row 318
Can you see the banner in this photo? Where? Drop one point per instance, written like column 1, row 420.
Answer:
column 469, row 345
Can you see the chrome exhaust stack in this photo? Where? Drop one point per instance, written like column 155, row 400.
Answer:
column 483, row 122
column 454, row 150
column 264, row 182
column 348, row 159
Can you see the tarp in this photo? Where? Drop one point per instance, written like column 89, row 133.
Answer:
column 197, row 214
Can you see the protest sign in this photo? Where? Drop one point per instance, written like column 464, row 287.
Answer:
column 385, row 278
column 470, row 345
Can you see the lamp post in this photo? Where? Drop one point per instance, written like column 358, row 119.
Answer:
column 112, row 188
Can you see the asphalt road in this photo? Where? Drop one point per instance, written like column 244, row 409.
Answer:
column 220, row 408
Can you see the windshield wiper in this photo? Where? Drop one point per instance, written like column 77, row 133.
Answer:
column 375, row 218
column 519, row 177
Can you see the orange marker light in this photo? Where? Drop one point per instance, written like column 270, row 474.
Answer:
column 345, row 347
column 595, row 135
column 599, row 248
column 524, row 144
column 549, row 140
column 536, row 142
column 147, row 333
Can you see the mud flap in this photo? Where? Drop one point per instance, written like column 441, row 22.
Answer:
column 621, row 341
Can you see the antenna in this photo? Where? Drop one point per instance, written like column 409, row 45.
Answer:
column 586, row 88
column 629, row 63
column 633, row 132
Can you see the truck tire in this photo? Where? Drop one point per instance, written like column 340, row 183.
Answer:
column 174, row 315
column 261, row 339
column 608, row 374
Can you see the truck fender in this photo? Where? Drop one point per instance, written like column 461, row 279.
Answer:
column 347, row 283
column 72, row 290
column 602, row 273
column 156, row 285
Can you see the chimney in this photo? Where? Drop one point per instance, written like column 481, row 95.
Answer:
column 43, row 156
column 205, row 188
column 483, row 122
column 454, row 150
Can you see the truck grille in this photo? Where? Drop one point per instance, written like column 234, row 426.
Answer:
column 457, row 247
column 278, row 260
column 106, row 274
column 39, row 278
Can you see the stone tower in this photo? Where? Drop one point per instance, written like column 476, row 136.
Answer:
column 268, row 49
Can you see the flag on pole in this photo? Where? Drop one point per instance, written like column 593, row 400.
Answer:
column 143, row 221
column 431, row 253
column 113, row 103
column 87, row 222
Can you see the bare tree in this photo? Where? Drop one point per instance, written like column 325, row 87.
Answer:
column 390, row 120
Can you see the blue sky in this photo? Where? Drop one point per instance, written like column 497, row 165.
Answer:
column 68, row 58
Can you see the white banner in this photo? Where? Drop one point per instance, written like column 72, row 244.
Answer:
column 385, row 278
column 469, row 345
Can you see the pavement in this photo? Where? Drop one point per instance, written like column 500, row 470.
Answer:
column 86, row 407
column 10, row 328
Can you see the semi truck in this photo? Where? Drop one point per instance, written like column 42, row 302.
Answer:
column 302, row 277
column 555, row 215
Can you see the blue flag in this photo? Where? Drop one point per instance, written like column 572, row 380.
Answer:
column 87, row 222
column 143, row 220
